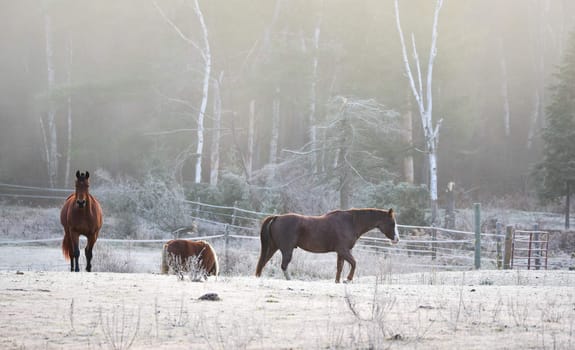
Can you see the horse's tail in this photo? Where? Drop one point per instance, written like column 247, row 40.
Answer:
column 165, row 268
column 215, row 271
column 265, row 237
column 67, row 248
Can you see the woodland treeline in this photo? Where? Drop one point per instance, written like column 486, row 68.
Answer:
column 307, row 99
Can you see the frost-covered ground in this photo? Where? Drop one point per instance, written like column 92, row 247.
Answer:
column 432, row 310
column 42, row 305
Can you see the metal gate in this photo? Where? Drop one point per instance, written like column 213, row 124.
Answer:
column 530, row 249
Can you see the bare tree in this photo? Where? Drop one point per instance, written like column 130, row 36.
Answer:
column 69, row 116
column 48, row 121
column 425, row 103
column 205, row 53
column 504, row 89
column 217, row 132
column 251, row 140
column 274, row 142
column 407, row 132
column 313, row 96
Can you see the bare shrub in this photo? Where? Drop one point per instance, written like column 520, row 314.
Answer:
column 156, row 199
column 375, row 317
column 518, row 311
column 106, row 259
column 120, row 328
column 192, row 266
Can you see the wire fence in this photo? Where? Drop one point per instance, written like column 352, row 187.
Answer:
column 421, row 248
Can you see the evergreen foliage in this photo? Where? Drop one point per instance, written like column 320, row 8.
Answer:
column 558, row 164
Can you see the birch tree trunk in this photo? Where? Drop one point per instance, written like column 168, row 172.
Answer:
column 206, row 55
column 48, row 126
column 207, row 59
column 407, row 126
column 275, row 128
column 216, row 136
column 69, row 117
column 251, row 133
column 425, row 103
column 313, row 99
column 345, row 171
column 534, row 117
column 504, row 90
column 539, row 10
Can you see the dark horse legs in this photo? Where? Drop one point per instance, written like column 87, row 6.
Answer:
column 88, row 259
column 341, row 256
column 75, row 258
column 286, row 258
column 88, row 251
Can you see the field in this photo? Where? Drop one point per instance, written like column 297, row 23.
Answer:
column 126, row 304
column 432, row 310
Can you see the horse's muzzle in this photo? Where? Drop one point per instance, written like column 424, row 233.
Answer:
column 81, row 203
column 395, row 239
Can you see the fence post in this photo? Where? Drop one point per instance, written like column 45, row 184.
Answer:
column 226, row 239
column 498, row 228
column 234, row 214
column 477, row 210
column 198, row 207
column 508, row 247
column 433, row 242
column 537, row 246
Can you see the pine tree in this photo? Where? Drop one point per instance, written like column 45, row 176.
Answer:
column 557, row 169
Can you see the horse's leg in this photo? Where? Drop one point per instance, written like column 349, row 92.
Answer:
column 286, row 258
column 339, row 268
column 269, row 254
column 350, row 259
column 74, row 266
column 88, row 251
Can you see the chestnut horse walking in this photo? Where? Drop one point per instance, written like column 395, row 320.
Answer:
column 336, row 231
column 180, row 253
column 81, row 215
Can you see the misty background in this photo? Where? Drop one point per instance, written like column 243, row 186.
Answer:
column 117, row 88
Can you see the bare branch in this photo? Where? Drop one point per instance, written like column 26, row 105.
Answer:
column 178, row 30
column 432, row 54
column 417, row 65
column 406, row 61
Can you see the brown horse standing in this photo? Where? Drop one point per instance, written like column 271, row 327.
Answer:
column 81, row 215
column 336, row 231
column 178, row 252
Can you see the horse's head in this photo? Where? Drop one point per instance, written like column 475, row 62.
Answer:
column 82, row 185
column 388, row 227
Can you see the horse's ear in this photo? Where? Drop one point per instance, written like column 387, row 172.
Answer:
column 77, row 174
column 87, row 174
column 390, row 212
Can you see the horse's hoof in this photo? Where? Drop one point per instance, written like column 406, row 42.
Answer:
column 347, row 281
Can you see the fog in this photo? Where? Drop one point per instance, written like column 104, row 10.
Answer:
column 119, row 86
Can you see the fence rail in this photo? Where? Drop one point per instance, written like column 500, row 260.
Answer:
column 420, row 247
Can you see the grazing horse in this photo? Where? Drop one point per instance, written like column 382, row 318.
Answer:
column 336, row 231
column 80, row 215
column 179, row 254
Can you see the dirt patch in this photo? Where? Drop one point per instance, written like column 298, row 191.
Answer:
column 472, row 310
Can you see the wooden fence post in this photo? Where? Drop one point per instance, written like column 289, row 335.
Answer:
column 433, row 242
column 508, row 248
column 477, row 210
column 226, row 239
column 498, row 229
column 536, row 247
